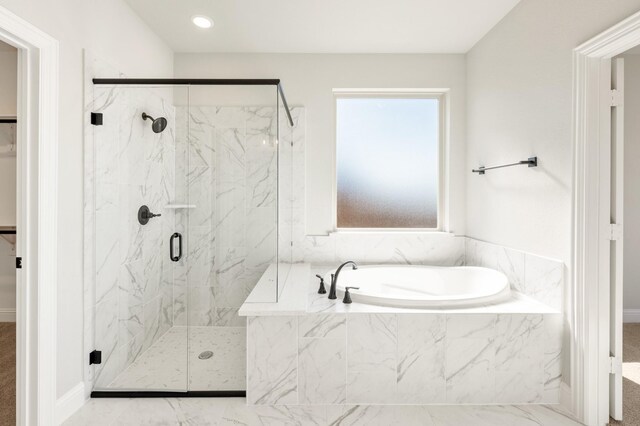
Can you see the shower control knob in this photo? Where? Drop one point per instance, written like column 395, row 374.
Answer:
column 144, row 214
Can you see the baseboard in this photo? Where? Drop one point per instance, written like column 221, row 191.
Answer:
column 7, row 314
column 631, row 315
column 69, row 403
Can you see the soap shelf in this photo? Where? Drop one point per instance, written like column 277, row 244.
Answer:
column 180, row 206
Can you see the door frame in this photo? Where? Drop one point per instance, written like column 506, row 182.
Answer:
column 36, row 218
column 590, row 364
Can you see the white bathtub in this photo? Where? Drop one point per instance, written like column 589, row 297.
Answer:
column 423, row 286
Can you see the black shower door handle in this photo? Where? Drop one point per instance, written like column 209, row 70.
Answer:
column 171, row 246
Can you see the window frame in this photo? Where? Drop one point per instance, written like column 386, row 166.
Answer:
column 442, row 95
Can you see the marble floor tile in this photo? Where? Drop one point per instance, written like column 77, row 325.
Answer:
column 172, row 362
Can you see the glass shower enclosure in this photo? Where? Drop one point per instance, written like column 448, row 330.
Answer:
column 187, row 186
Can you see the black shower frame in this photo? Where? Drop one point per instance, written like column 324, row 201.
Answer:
column 202, row 82
column 187, row 82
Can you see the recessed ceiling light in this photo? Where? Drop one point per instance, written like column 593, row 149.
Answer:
column 202, row 21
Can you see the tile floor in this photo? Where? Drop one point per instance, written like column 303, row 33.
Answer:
column 173, row 359
column 234, row 411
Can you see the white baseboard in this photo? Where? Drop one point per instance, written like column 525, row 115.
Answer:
column 7, row 314
column 69, row 403
column 631, row 315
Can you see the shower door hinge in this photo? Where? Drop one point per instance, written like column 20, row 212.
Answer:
column 95, row 357
column 18, row 262
column 96, row 118
column 615, row 365
column 617, row 98
column 615, row 232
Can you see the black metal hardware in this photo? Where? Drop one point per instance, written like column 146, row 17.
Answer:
column 96, row 118
column 169, row 394
column 192, row 81
column 321, row 290
column 7, row 232
column 8, row 120
column 347, row 295
column 171, row 255
column 144, row 214
column 95, row 357
column 18, row 263
column 332, row 288
column 530, row 162
column 334, row 280
column 203, row 82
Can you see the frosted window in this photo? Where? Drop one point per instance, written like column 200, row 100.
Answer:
column 387, row 162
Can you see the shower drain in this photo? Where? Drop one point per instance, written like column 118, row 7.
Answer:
column 205, row 355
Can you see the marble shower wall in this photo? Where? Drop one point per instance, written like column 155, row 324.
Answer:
column 403, row 359
column 133, row 166
column 226, row 167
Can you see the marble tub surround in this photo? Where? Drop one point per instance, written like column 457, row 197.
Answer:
column 332, row 353
column 539, row 277
column 413, row 358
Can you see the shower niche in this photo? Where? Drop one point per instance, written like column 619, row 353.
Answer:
column 187, row 190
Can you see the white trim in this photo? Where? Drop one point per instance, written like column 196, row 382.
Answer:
column 631, row 316
column 37, row 181
column 7, row 314
column 70, row 402
column 590, row 281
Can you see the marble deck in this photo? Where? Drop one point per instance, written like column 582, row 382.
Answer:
column 234, row 411
column 172, row 362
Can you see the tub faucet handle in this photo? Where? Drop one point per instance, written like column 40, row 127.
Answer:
column 347, row 295
column 321, row 290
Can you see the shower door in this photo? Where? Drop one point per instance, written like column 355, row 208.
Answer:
column 186, row 224
column 230, row 176
column 137, row 295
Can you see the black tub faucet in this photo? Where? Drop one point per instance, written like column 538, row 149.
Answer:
column 334, row 278
column 321, row 290
column 347, row 295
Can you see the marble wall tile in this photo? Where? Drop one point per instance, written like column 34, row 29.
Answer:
column 420, row 369
column 130, row 301
column 322, row 325
column 506, row 260
column 272, row 375
column 519, row 358
column 371, row 348
column 553, row 330
column 470, row 358
column 544, row 280
column 322, row 370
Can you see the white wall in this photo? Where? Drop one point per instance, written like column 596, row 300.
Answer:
column 519, row 93
column 308, row 80
column 631, row 181
column 113, row 32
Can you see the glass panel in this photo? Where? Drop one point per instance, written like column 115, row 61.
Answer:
column 139, row 298
column 231, row 181
column 387, row 163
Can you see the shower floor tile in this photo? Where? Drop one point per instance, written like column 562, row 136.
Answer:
column 172, row 362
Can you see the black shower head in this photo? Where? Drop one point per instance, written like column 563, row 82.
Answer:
column 158, row 124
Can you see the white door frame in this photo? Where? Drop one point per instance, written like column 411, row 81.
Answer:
column 36, row 218
column 591, row 291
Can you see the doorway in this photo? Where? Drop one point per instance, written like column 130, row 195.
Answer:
column 8, row 190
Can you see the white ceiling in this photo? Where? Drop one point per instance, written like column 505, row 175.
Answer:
column 324, row 26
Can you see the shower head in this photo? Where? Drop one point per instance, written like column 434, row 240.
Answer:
column 158, row 124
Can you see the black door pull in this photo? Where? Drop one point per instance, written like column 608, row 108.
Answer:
column 171, row 246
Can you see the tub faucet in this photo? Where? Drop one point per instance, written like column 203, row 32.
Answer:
column 334, row 278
